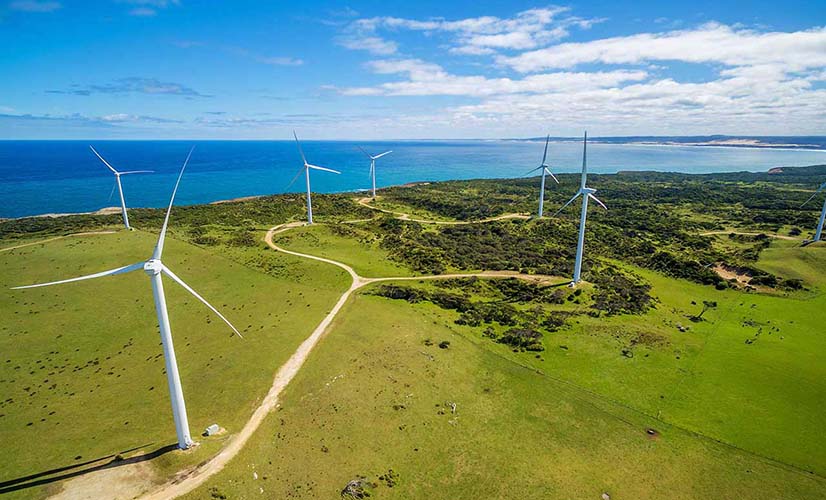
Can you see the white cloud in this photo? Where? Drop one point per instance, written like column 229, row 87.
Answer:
column 279, row 61
column 372, row 44
column 34, row 6
column 431, row 79
column 710, row 43
column 472, row 36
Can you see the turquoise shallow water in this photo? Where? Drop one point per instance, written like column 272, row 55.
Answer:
column 64, row 176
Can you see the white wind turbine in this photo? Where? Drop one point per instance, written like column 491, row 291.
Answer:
column 819, row 231
column 119, row 186
column 545, row 171
column 306, row 170
column 586, row 193
column 154, row 268
column 373, row 166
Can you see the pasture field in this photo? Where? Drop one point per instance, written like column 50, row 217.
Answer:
column 82, row 374
column 383, row 412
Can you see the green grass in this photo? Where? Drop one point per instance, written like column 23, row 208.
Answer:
column 81, row 370
column 373, row 398
column 357, row 248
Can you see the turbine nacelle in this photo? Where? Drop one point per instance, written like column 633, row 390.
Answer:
column 153, row 267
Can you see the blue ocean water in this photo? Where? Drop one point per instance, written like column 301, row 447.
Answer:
column 39, row 177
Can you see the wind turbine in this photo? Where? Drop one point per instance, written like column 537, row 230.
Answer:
column 586, row 193
column 119, row 186
column 545, row 171
column 306, row 170
column 154, row 268
column 822, row 212
column 373, row 166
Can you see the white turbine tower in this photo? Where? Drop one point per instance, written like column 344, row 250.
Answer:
column 819, row 231
column 306, row 170
column 373, row 166
column 154, row 268
column 545, row 171
column 586, row 193
column 119, row 186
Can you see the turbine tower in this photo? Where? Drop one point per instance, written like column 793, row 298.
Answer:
column 306, row 170
column 545, row 171
column 819, row 231
column 119, row 186
column 155, row 268
column 586, row 193
column 373, row 166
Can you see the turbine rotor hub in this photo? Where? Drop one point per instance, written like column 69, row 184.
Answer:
column 152, row 267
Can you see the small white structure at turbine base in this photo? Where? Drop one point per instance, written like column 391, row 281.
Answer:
column 154, row 268
column 586, row 193
column 306, row 170
column 819, row 231
column 545, row 171
column 120, row 186
column 373, row 166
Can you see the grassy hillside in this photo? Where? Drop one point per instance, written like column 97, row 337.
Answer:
column 82, row 371
column 515, row 433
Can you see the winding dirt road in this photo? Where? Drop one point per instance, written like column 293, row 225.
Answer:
column 189, row 479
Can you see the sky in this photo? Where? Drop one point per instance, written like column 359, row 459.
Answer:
column 425, row 69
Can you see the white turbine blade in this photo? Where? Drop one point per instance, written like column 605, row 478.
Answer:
column 138, row 172
column 104, row 161
column 569, row 202
column 112, row 192
column 372, row 166
column 552, row 175
column 533, row 170
column 162, row 237
column 597, row 200
column 545, row 154
column 111, row 272
column 819, row 189
column 303, row 158
column 189, row 289
column 365, row 152
column 584, row 158
column 385, row 153
column 300, row 171
column 316, row 167
column 810, row 198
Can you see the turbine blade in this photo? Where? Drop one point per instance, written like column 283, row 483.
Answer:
column 565, row 205
column 162, row 237
column 372, row 166
column 303, row 158
column 533, row 170
column 112, row 192
column 810, row 198
column 111, row 272
column 385, row 153
column 584, row 162
column 316, row 167
column 552, row 175
column 545, row 154
column 300, row 171
column 189, row 289
column 365, row 152
column 104, row 161
column 597, row 200
column 138, row 172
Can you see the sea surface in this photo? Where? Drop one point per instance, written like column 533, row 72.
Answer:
column 38, row 177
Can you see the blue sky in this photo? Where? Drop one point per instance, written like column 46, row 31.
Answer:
column 406, row 70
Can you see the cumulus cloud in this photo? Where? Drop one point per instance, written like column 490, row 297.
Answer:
column 710, row 43
column 473, row 36
column 431, row 79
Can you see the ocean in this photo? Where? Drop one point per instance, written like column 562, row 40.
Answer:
column 38, row 177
